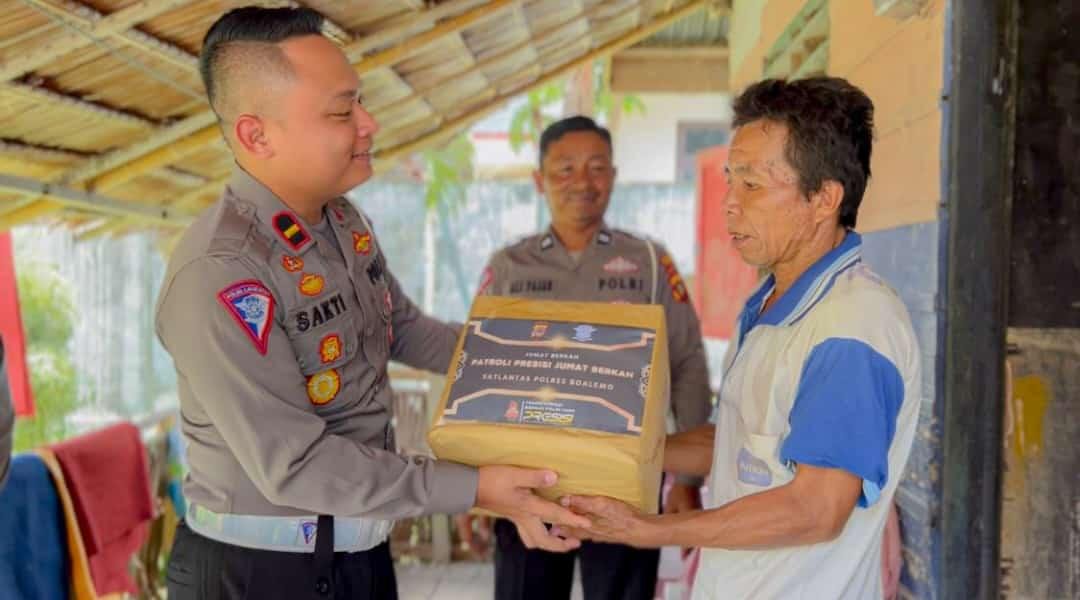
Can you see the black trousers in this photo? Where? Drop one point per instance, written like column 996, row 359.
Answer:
column 608, row 571
column 204, row 569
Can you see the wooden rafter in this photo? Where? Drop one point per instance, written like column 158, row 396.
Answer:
column 38, row 95
column 153, row 153
column 93, row 26
column 54, row 195
column 507, row 54
column 178, row 131
column 416, row 22
column 625, row 41
column 417, row 43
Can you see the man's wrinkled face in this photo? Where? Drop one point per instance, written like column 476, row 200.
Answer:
column 768, row 218
column 576, row 178
column 321, row 131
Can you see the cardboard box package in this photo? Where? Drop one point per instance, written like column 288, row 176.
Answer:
column 577, row 387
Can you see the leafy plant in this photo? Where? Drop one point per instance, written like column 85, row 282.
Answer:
column 48, row 316
column 542, row 106
column 447, row 169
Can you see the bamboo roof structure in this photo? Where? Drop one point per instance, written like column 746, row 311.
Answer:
column 104, row 124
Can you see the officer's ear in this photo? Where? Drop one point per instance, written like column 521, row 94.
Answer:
column 538, row 181
column 250, row 133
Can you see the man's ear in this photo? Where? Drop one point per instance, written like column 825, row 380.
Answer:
column 250, row 133
column 538, row 181
column 827, row 200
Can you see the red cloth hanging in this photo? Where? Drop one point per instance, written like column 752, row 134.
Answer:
column 11, row 330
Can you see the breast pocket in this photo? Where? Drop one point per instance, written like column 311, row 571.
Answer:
column 323, row 334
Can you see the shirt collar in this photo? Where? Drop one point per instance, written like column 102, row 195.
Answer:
column 602, row 238
column 270, row 210
column 808, row 290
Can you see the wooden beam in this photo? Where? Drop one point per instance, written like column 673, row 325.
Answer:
column 675, row 52
column 39, row 95
column 510, row 52
column 659, row 22
column 412, row 24
column 154, row 160
column 95, row 203
column 666, row 73
column 417, row 43
column 202, row 127
column 192, row 199
column 25, row 168
column 27, row 213
column 93, row 26
column 198, row 123
column 163, row 51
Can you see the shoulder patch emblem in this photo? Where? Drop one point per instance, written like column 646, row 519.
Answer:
column 323, row 387
column 621, row 265
column 361, row 243
column 290, row 230
column 292, row 264
column 252, row 306
column 675, row 281
column 311, row 284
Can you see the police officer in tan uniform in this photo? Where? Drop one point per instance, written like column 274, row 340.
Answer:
column 280, row 313
column 581, row 258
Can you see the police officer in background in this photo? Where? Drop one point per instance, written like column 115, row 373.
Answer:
column 281, row 314
column 581, row 259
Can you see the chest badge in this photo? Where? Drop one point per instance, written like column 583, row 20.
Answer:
column 330, row 348
column 621, row 265
column 361, row 243
column 323, row 387
column 292, row 264
column 311, row 284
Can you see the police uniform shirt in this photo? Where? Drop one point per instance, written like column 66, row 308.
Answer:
column 615, row 267
column 827, row 376
column 281, row 342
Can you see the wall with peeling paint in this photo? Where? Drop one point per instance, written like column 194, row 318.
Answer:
column 1040, row 537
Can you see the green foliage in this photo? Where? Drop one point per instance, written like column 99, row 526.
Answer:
column 446, row 170
column 48, row 316
column 530, row 119
column 543, row 106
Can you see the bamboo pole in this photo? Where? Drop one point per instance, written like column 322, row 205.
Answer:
column 160, row 156
column 504, row 55
column 417, row 43
column 156, row 159
column 31, row 212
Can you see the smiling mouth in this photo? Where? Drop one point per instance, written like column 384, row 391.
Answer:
column 365, row 155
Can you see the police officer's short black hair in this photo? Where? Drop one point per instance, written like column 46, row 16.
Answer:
column 250, row 35
column 830, row 125
column 558, row 129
